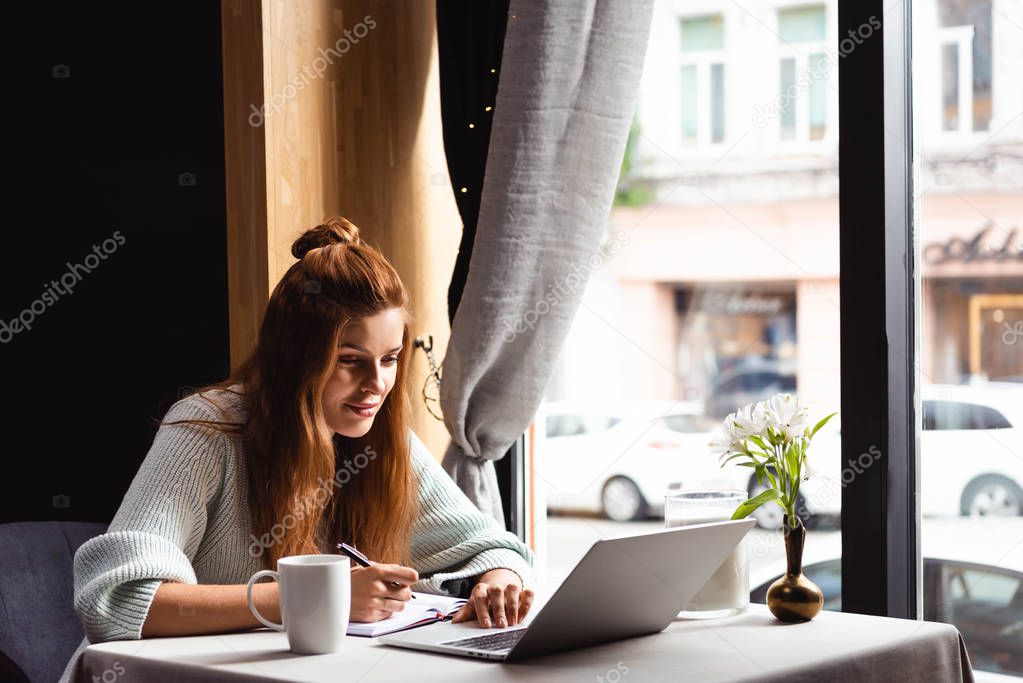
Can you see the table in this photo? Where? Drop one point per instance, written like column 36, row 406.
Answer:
column 750, row 646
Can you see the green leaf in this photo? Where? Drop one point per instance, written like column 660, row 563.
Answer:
column 820, row 424
column 792, row 461
column 753, row 503
column 758, row 441
column 733, row 457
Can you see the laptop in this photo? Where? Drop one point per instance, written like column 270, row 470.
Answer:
column 622, row 588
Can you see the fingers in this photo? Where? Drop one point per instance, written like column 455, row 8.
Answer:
column 496, row 605
column 376, row 596
column 480, row 604
column 376, row 609
column 511, row 603
column 389, row 605
column 495, row 596
column 466, row 613
column 388, row 590
column 387, row 573
column 525, row 602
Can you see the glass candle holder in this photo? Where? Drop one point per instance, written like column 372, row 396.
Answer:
column 727, row 590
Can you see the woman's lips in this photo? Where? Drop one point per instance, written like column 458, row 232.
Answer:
column 363, row 409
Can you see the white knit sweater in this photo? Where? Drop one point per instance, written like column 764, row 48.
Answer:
column 185, row 519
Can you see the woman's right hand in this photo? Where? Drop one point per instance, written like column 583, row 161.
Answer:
column 374, row 595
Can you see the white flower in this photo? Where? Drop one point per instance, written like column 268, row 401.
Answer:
column 750, row 420
column 785, row 415
column 727, row 440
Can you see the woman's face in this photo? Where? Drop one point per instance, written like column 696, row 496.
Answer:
column 364, row 373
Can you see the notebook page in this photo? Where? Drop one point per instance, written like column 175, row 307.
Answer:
column 425, row 609
column 444, row 604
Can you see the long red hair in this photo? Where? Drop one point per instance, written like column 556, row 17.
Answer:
column 290, row 452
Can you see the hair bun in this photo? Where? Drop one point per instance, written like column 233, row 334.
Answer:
column 334, row 230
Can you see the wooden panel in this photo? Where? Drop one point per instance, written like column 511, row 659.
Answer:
column 245, row 172
column 351, row 125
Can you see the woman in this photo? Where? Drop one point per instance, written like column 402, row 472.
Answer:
column 306, row 444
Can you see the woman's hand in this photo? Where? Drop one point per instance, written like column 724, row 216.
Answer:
column 374, row 593
column 497, row 600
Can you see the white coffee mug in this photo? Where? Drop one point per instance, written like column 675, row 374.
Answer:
column 315, row 598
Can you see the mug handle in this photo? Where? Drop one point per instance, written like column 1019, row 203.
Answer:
column 252, row 607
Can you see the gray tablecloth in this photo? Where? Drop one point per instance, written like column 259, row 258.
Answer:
column 751, row 646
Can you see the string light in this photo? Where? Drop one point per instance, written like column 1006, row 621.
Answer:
column 493, row 71
column 487, row 108
column 472, row 125
column 465, row 189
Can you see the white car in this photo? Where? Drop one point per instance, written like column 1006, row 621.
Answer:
column 619, row 461
column 622, row 462
column 971, row 450
column 971, row 457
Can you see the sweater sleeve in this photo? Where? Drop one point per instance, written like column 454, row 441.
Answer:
column 453, row 542
column 157, row 529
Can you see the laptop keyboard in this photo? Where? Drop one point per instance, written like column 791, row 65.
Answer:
column 491, row 642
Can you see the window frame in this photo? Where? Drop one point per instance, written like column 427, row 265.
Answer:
column 962, row 37
column 801, row 52
column 704, row 62
column 880, row 308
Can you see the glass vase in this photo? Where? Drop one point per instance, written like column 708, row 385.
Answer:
column 726, row 592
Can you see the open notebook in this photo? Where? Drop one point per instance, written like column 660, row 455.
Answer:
column 425, row 609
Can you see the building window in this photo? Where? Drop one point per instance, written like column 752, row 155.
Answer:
column 964, row 40
column 803, row 73
column 703, row 80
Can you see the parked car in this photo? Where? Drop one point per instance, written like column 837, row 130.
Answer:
column 973, row 579
column 619, row 462
column 971, row 458
column 971, row 450
column 622, row 461
column 747, row 380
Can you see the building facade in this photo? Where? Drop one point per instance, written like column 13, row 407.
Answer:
column 728, row 288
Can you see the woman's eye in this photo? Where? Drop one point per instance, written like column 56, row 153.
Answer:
column 389, row 360
column 348, row 360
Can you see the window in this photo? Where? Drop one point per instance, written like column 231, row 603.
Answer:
column 690, row 424
column 577, row 425
column 953, row 72
column 722, row 291
column 714, row 302
column 969, row 210
column 803, row 73
column 978, row 588
column 703, row 80
column 964, row 49
column 986, row 604
column 949, row 415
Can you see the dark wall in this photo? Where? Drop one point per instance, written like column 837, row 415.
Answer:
column 113, row 130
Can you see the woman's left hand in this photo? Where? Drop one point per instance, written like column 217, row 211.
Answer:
column 497, row 600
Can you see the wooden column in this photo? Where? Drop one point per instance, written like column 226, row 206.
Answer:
column 344, row 95
column 245, row 173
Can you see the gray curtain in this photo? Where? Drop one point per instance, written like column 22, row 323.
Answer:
column 569, row 76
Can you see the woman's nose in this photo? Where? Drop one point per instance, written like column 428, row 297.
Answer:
column 374, row 382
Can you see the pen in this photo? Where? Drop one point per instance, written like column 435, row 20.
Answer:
column 360, row 559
